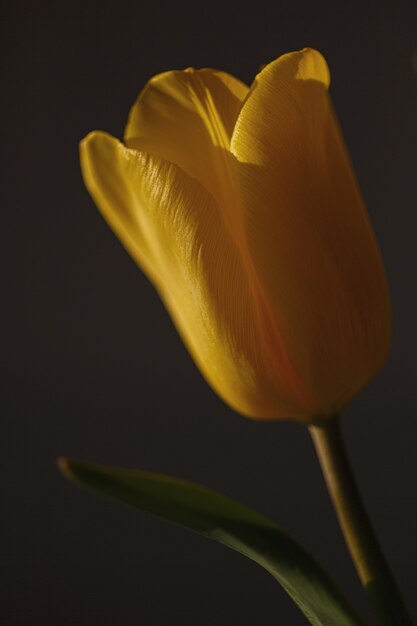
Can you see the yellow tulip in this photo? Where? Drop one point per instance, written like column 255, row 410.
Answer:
column 241, row 206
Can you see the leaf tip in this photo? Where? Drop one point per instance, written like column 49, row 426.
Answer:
column 63, row 464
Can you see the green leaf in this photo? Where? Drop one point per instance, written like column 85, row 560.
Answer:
column 230, row 523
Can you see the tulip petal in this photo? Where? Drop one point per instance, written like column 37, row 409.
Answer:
column 176, row 232
column 187, row 117
column 308, row 233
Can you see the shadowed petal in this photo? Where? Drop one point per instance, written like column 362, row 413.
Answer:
column 308, row 232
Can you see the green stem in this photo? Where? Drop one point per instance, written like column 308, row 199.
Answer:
column 365, row 551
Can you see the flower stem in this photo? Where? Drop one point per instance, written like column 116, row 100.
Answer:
column 364, row 549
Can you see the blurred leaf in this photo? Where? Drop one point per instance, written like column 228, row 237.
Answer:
column 230, row 523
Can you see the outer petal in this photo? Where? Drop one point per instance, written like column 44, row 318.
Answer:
column 308, row 233
column 175, row 231
column 187, row 117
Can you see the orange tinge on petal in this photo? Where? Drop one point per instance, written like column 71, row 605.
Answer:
column 242, row 208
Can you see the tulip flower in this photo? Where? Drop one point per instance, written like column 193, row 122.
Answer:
column 241, row 206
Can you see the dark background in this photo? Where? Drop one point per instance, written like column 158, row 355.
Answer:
column 92, row 366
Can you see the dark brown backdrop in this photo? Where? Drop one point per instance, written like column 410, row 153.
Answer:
column 91, row 364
